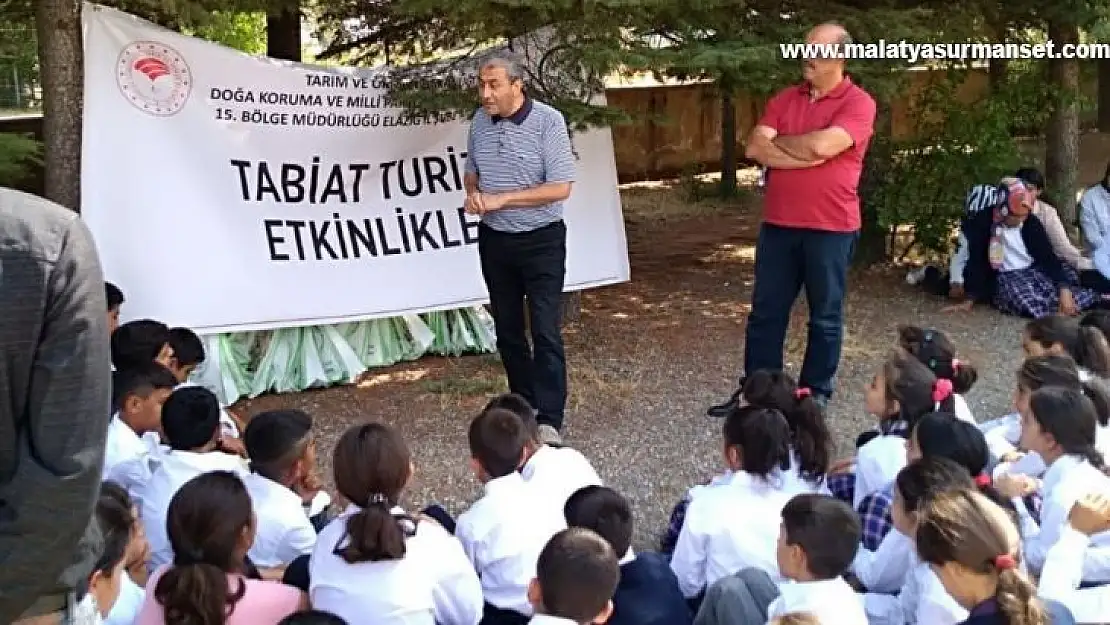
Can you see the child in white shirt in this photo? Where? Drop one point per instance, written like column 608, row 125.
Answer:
column 1060, row 426
column 504, row 531
column 191, row 426
column 134, row 432
column 576, row 576
column 936, row 351
column 115, row 509
column 114, row 297
column 900, row 393
column 188, row 354
column 377, row 565
column 1063, row 568
column 554, row 470
column 973, row 546
column 282, row 450
column 733, row 526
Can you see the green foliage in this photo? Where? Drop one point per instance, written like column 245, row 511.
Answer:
column 927, row 177
column 18, row 154
column 245, row 32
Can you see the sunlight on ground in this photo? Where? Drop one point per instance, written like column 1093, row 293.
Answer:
column 379, row 379
column 664, row 201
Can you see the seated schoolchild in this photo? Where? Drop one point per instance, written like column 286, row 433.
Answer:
column 937, row 352
column 1062, row 576
column 576, row 574
column 191, row 429
column 134, row 434
column 505, row 530
column 555, row 470
column 313, row 617
column 648, row 592
column 1011, row 262
column 109, row 571
column 114, row 502
column 210, row 525
column 375, row 564
column 818, row 539
column 901, row 392
column 188, row 354
column 712, row 544
column 282, row 454
column 114, row 297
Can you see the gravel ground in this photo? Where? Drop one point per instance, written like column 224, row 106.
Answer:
column 646, row 360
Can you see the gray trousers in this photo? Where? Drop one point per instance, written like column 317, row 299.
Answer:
column 739, row 599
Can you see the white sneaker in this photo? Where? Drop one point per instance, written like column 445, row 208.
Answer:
column 549, row 435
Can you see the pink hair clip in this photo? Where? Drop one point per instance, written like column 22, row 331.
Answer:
column 1004, row 561
column 802, row 392
column 982, row 480
column 942, row 389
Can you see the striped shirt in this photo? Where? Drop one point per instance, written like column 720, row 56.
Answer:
column 529, row 148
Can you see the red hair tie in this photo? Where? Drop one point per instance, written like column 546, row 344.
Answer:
column 982, row 480
column 802, row 392
column 942, row 389
column 1004, row 561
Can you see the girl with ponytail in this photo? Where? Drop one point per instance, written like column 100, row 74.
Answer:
column 211, row 527
column 1060, row 335
column 900, row 393
column 936, row 351
column 375, row 561
column 1059, row 426
column 973, row 547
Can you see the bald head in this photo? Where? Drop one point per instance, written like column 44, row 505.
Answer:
column 825, row 69
column 829, row 33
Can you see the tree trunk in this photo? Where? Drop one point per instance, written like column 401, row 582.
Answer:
column 1062, row 135
column 873, row 241
column 728, row 142
column 283, row 34
column 997, row 73
column 61, row 71
column 1103, row 95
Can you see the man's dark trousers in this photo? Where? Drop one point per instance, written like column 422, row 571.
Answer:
column 787, row 259
column 529, row 266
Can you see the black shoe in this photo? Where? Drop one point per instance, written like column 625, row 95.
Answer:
column 720, row 411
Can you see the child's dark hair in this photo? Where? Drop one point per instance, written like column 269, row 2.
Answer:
column 372, row 464
column 965, row 527
column 915, row 388
column 276, row 439
column 935, row 350
column 187, row 346
column 943, row 435
column 205, row 525
column 518, row 405
column 1069, row 416
column 1030, row 176
column 115, row 517
column 497, row 438
column 1085, row 343
column 141, row 381
column 312, row 617
column 811, row 439
column 113, row 295
column 763, row 436
column 603, row 510
column 190, row 418
column 578, row 573
column 136, row 343
column 827, row 529
column 1062, row 370
column 928, row 476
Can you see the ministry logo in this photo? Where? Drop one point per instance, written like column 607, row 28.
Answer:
column 154, row 78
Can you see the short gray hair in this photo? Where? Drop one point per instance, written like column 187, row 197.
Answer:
column 512, row 66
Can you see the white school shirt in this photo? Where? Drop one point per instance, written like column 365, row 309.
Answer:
column 730, row 527
column 129, row 458
column 227, row 424
column 176, row 468
column 503, row 534
column 558, row 472
column 962, row 410
column 922, row 601
column 283, row 530
column 832, row 601
column 1067, row 480
column 126, row 608
column 546, row 619
column 1062, row 574
column 1015, row 255
column 877, row 464
column 886, row 569
column 433, row 582
column 1094, row 216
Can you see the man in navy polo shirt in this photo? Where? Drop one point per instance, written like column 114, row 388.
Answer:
column 812, row 138
column 519, row 171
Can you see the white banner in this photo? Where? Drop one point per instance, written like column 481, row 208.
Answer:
column 228, row 192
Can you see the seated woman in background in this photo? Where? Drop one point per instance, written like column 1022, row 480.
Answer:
column 1011, row 262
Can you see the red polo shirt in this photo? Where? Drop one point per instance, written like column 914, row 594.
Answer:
column 824, row 197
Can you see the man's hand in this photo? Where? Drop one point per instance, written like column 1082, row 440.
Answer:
column 1091, row 514
column 1067, row 303
column 492, row 202
column 963, row 306
column 956, row 291
column 474, row 204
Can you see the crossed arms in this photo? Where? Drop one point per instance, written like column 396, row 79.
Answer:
column 776, row 151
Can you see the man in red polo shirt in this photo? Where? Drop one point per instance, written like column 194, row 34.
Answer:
column 812, row 139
